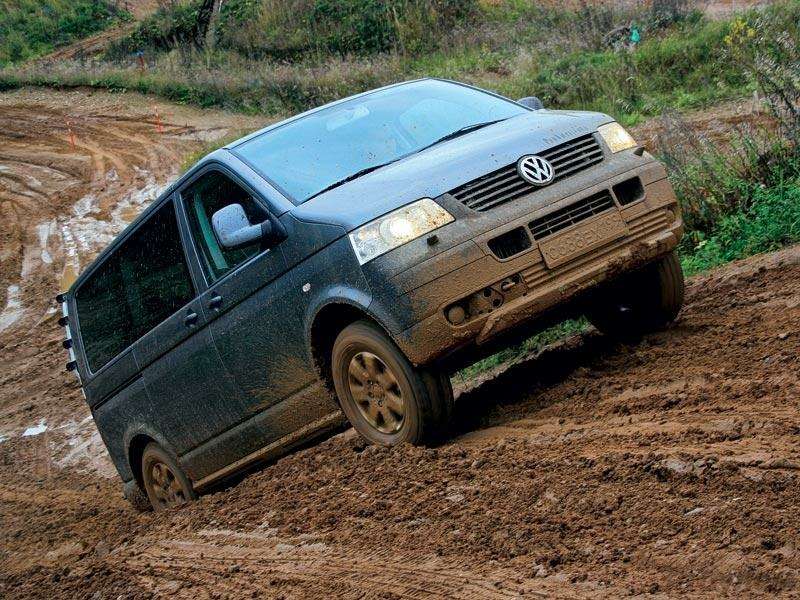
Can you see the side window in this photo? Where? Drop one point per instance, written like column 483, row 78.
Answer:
column 202, row 199
column 145, row 281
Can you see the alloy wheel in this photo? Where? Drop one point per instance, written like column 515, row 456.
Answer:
column 166, row 488
column 376, row 392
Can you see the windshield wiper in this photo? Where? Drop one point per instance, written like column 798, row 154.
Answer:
column 362, row 172
column 355, row 175
column 459, row 132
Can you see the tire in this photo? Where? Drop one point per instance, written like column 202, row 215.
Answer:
column 137, row 498
column 386, row 399
column 165, row 483
column 641, row 302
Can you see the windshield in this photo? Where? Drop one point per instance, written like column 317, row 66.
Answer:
column 318, row 151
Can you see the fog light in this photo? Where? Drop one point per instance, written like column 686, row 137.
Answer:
column 456, row 314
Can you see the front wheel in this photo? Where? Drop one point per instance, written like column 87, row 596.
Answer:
column 386, row 399
column 640, row 302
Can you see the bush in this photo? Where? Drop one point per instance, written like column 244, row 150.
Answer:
column 29, row 28
column 179, row 25
column 714, row 181
column 290, row 29
column 771, row 221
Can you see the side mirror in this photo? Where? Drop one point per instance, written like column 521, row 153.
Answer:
column 531, row 102
column 234, row 230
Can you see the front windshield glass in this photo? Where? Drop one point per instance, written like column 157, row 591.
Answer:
column 313, row 153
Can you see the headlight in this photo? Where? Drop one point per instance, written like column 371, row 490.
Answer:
column 397, row 228
column 616, row 138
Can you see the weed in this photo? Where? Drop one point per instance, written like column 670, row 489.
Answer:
column 30, row 28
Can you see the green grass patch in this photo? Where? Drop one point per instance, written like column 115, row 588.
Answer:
column 31, row 28
column 530, row 346
column 771, row 222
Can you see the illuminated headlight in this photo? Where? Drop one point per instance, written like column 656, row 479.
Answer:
column 397, row 228
column 615, row 137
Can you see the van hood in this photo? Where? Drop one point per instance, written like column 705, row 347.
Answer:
column 432, row 172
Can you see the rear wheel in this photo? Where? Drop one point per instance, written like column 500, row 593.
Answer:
column 386, row 399
column 165, row 483
column 640, row 302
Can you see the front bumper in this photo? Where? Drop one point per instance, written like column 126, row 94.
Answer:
column 524, row 286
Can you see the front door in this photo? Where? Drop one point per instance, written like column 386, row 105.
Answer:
column 255, row 328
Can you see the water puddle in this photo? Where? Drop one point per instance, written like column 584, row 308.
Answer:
column 83, row 235
column 13, row 310
column 36, row 429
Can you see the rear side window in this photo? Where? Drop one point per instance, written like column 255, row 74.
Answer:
column 202, row 199
column 145, row 281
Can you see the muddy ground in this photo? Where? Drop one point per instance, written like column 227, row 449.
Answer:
column 667, row 468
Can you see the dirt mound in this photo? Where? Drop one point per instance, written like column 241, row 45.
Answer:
column 669, row 467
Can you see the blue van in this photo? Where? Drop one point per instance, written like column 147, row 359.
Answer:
column 341, row 264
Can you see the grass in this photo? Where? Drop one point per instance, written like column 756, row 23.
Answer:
column 771, row 222
column 530, row 346
column 682, row 65
column 31, row 28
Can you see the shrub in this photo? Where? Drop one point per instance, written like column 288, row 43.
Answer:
column 29, row 28
column 178, row 25
column 714, row 181
column 772, row 221
column 290, row 29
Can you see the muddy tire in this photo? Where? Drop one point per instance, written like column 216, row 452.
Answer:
column 386, row 399
column 641, row 302
column 138, row 499
column 165, row 483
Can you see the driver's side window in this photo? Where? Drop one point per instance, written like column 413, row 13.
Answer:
column 202, row 199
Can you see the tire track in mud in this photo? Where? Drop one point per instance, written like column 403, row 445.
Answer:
column 594, row 469
column 247, row 561
column 75, row 169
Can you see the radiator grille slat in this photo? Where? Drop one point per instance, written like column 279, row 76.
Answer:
column 503, row 180
column 504, row 184
column 572, row 214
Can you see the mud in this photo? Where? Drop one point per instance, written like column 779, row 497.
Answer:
column 668, row 468
column 75, row 168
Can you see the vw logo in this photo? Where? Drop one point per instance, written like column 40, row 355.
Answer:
column 535, row 170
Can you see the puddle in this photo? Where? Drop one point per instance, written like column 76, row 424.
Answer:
column 13, row 310
column 68, row 277
column 83, row 449
column 44, row 230
column 83, row 235
column 36, row 429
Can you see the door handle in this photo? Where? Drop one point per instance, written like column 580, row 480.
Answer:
column 191, row 319
column 215, row 302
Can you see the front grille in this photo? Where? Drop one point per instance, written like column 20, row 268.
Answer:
column 505, row 184
column 569, row 215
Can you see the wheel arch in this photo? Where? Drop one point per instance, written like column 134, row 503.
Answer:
column 137, row 440
column 328, row 321
column 136, row 448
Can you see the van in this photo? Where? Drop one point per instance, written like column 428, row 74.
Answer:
column 341, row 264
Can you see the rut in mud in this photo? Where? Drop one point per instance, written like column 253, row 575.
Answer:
column 594, row 469
column 75, row 168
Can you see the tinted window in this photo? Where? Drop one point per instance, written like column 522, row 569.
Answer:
column 306, row 156
column 145, row 281
column 203, row 198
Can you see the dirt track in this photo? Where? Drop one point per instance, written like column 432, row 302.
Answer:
column 593, row 470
